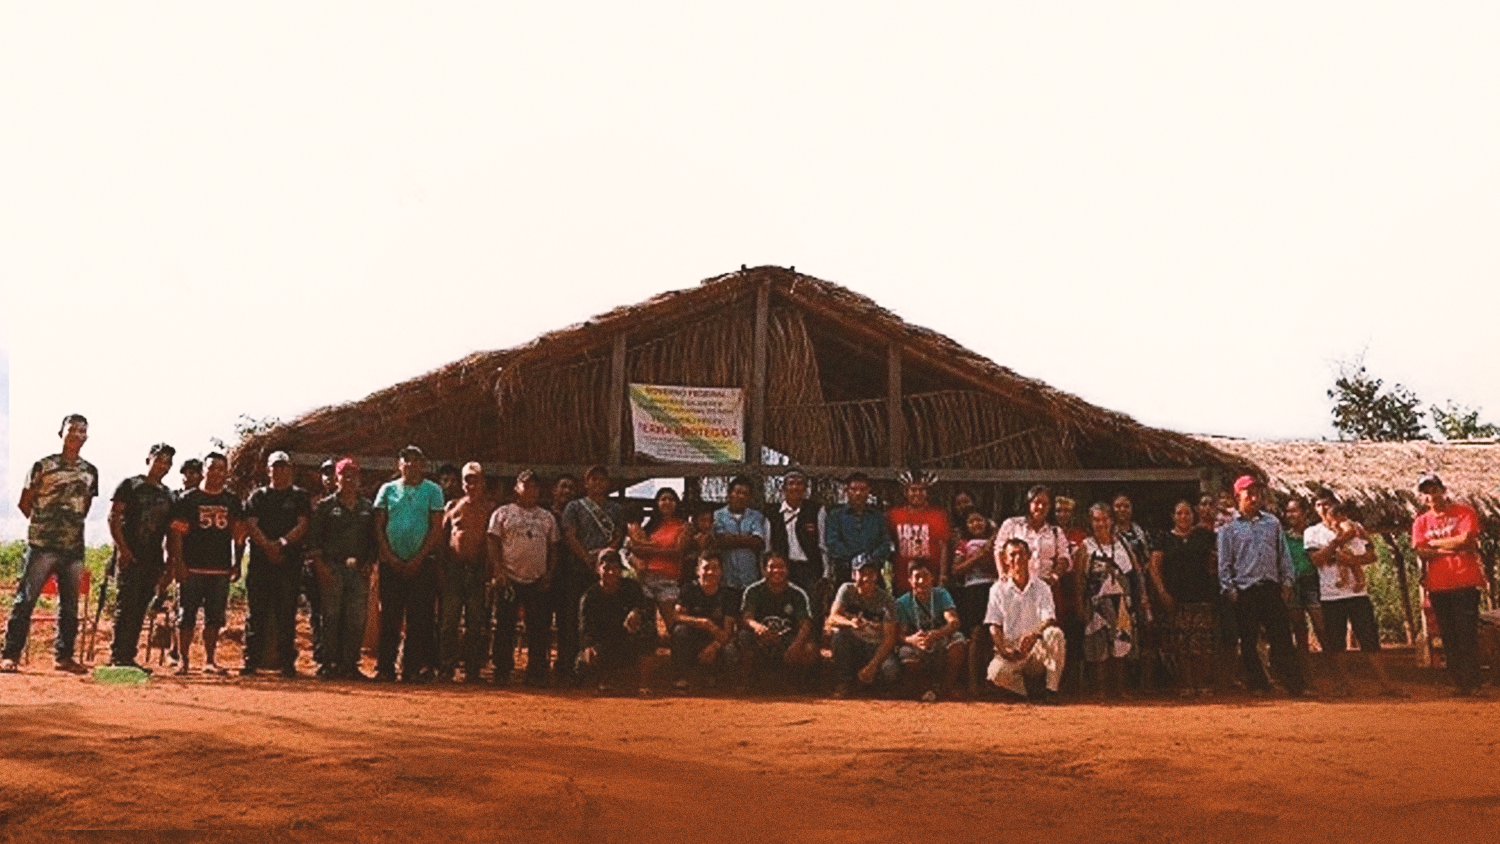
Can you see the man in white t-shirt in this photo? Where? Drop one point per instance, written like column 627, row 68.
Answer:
column 1340, row 548
column 1023, row 625
column 523, row 539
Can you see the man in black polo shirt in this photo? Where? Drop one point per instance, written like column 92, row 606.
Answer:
column 204, row 549
column 312, row 585
column 276, row 518
column 138, row 518
column 341, row 545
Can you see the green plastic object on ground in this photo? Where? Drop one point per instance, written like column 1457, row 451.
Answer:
column 120, row 675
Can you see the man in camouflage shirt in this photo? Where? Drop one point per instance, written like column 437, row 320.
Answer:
column 58, row 493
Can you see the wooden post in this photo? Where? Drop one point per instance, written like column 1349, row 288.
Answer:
column 617, row 402
column 755, row 430
column 1399, row 558
column 895, row 419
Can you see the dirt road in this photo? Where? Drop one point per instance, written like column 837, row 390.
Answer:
column 365, row 761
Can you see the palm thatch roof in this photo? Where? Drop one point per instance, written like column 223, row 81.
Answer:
column 1378, row 477
column 546, row 402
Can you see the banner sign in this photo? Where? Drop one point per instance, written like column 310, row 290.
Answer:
column 688, row 424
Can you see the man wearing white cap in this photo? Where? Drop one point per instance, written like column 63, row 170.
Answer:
column 465, row 575
column 276, row 518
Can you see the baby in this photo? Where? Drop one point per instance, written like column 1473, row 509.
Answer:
column 1353, row 548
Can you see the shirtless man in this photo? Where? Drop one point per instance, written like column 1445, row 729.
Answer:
column 465, row 577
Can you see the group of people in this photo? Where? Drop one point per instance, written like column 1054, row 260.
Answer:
column 912, row 599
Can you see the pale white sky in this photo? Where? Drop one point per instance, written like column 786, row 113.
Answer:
column 1182, row 211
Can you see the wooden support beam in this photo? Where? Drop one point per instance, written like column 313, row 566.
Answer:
column 724, row 470
column 617, row 401
column 1409, row 621
column 895, row 420
column 755, row 430
column 871, row 333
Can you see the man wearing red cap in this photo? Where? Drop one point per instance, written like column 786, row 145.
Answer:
column 342, row 546
column 1256, row 575
column 1446, row 537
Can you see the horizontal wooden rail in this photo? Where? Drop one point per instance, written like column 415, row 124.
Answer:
column 712, row 470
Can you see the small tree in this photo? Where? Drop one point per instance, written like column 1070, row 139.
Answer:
column 1363, row 410
column 1458, row 422
column 245, row 426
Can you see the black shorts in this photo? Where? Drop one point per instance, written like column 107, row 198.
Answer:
column 209, row 591
column 1339, row 615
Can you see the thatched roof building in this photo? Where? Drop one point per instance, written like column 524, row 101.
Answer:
column 832, row 380
column 1378, row 477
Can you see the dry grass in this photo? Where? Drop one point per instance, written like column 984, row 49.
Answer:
column 1378, row 477
column 544, row 402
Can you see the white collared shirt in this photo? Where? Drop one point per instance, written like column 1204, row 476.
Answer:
column 794, row 545
column 1020, row 612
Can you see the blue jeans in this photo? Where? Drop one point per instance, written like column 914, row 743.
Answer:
column 344, row 607
column 40, row 565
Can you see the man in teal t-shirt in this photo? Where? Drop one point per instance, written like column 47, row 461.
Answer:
column 409, row 521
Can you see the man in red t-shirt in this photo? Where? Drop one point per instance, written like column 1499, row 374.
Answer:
column 1446, row 537
column 919, row 530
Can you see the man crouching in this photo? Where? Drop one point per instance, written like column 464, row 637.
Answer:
column 863, row 619
column 612, row 627
column 933, row 651
column 1023, row 625
column 776, row 625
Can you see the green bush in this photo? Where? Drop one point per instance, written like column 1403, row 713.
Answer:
column 13, row 559
column 1385, row 590
column 11, row 556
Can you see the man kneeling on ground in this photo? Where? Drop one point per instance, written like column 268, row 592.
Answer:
column 703, row 635
column 863, row 619
column 776, row 623
column 933, row 651
column 612, row 627
column 1023, row 624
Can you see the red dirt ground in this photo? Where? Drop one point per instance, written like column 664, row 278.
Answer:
column 269, row 758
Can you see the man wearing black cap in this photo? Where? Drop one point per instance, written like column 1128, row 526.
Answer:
column 312, row 581
column 330, row 473
column 1446, row 537
column 277, row 517
column 192, row 477
column 865, row 626
column 138, row 518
